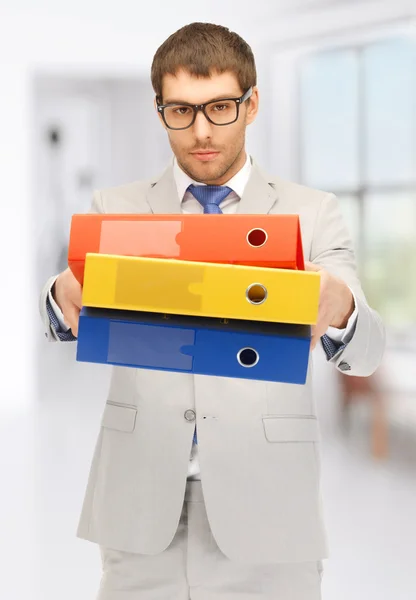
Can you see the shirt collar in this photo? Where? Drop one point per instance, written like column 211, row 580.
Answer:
column 236, row 183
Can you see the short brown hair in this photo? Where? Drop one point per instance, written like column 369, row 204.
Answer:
column 201, row 49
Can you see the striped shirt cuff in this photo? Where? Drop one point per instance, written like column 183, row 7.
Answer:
column 331, row 348
column 64, row 336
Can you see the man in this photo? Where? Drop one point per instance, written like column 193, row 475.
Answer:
column 234, row 511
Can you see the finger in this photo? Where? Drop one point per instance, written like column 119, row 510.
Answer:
column 314, row 336
column 73, row 288
column 315, row 339
column 77, row 299
column 321, row 327
column 76, row 296
column 312, row 267
column 71, row 318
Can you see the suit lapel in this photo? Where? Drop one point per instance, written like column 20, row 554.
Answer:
column 163, row 194
column 259, row 196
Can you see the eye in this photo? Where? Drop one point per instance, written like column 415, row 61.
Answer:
column 220, row 107
column 182, row 110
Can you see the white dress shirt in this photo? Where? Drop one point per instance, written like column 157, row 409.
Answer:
column 190, row 205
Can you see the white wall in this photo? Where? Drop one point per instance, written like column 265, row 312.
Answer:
column 16, row 297
column 145, row 151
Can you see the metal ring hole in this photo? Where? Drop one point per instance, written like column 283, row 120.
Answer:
column 257, row 238
column 256, row 293
column 248, row 357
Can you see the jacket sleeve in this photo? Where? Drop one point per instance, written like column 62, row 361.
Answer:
column 53, row 331
column 332, row 248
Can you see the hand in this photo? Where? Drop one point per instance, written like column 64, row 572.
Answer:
column 67, row 293
column 336, row 303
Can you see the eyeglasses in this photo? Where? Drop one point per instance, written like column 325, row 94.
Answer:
column 218, row 112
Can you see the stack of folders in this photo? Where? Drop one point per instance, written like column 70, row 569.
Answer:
column 219, row 295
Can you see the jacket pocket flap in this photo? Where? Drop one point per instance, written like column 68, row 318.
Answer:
column 291, row 429
column 122, row 418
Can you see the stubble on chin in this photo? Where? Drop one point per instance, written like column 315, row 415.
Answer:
column 207, row 173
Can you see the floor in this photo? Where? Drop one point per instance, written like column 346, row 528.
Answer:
column 45, row 457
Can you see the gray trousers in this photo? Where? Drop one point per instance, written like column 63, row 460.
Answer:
column 194, row 568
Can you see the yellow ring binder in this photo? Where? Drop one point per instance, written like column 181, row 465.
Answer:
column 256, row 293
column 171, row 286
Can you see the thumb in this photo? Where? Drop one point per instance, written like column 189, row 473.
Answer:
column 312, row 267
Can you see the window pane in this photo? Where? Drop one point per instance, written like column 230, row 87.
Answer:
column 390, row 107
column 329, row 120
column 390, row 263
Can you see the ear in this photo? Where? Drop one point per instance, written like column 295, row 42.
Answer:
column 252, row 106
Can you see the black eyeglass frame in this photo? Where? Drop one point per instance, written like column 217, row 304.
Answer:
column 197, row 107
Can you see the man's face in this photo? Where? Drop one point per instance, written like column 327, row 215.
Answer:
column 226, row 144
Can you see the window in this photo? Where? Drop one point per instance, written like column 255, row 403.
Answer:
column 358, row 140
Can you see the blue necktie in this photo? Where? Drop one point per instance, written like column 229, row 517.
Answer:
column 210, row 196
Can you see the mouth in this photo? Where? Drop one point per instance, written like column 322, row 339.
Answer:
column 205, row 155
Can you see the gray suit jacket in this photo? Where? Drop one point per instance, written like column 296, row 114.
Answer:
column 258, row 441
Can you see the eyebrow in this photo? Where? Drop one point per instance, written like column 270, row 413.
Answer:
column 222, row 97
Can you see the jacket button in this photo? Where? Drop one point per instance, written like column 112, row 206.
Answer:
column 190, row 415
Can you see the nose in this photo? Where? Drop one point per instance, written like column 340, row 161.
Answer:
column 202, row 127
